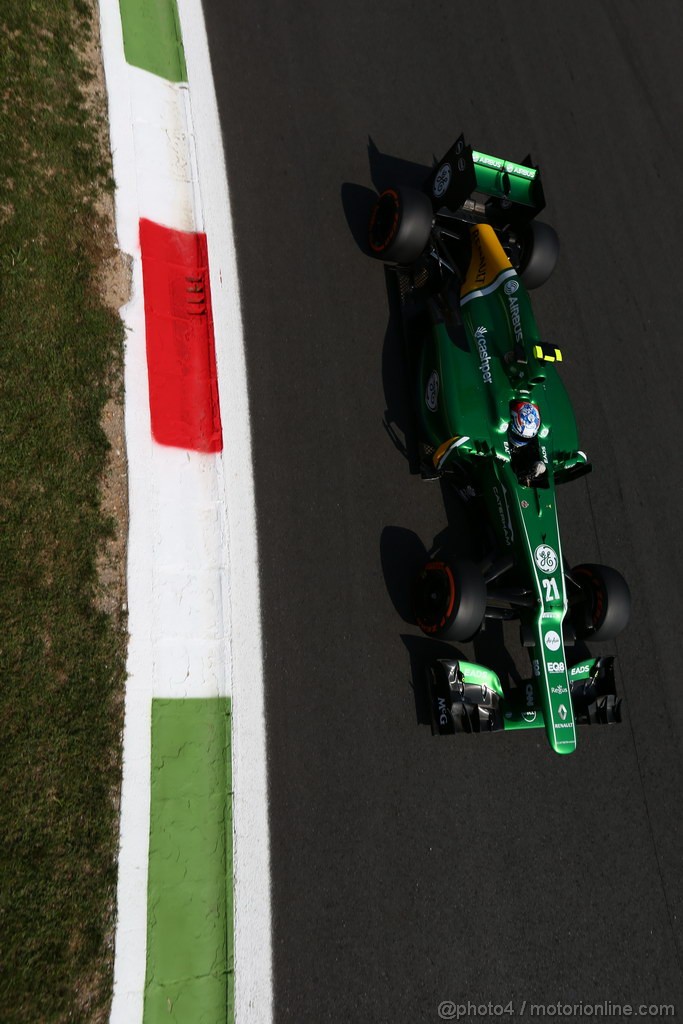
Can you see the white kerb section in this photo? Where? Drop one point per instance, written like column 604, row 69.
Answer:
column 194, row 614
column 252, row 893
column 178, row 548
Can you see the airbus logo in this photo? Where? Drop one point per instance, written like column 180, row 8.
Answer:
column 516, row 318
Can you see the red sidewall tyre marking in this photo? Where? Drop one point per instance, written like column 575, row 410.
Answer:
column 443, row 568
column 597, row 597
column 382, row 246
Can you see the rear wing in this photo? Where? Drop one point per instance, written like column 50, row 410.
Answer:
column 465, row 179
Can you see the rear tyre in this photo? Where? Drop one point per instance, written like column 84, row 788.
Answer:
column 400, row 225
column 540, row 252
column 604, row 608
column 450, row 600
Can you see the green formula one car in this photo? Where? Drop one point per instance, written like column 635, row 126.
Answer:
column 494, row 418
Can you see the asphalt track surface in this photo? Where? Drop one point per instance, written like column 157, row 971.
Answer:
column 407, row 869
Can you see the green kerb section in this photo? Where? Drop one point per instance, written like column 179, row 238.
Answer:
column 152, row 38
column 190, row 968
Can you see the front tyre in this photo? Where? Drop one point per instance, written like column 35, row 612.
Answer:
column 449, row 599
column 400, row 225
column 604, row 607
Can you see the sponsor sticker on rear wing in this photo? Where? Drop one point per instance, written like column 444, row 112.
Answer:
column 510, row 190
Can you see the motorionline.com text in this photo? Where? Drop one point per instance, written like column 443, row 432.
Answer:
column 450, row 1009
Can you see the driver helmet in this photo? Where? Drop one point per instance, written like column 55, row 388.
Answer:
column 525, row 421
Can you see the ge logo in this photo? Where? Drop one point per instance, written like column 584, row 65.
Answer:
column 442, row 180
column 511, row 286
column 432, row 392
column 545, row 558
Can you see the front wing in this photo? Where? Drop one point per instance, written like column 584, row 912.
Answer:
column 465, row 697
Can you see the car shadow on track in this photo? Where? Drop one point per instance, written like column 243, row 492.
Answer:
column 402, row 554
column 421, row 651
column 385, row 171
column 398, row 419
column 357, row 202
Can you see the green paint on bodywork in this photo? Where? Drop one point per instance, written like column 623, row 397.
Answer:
column 480, row 676
column 478, row 377
column 583, row 669
column 190, row 970
column 469, row 372
column 504, row 178
column 152, row 39
column 519, row 708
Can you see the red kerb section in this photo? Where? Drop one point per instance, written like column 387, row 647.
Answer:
column 181, row 355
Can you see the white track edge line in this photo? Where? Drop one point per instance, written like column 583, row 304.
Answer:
column 251, row 870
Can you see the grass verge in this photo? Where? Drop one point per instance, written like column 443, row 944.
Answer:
column 62, row 638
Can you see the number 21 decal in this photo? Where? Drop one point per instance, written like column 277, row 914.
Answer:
column 551, row 591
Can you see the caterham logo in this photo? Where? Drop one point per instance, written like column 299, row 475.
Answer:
column 432, row 392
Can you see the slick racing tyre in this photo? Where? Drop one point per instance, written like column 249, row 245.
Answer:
column 449, row 600
column 540, row 251
column 604, row 608
column 400, row 225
